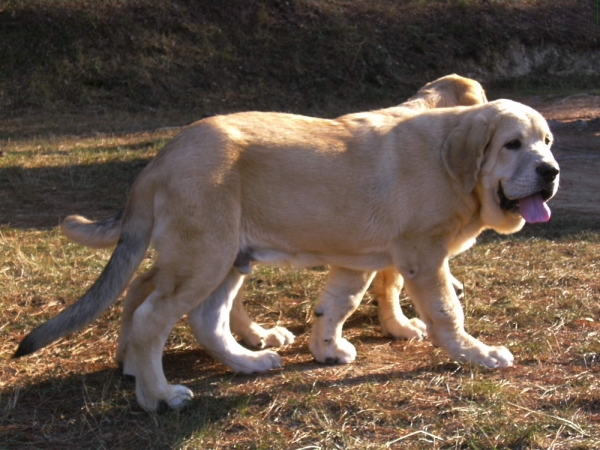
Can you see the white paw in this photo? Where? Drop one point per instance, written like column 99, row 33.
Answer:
column 255, row 362
column 332, row 351
column 175, row 396
column 405, row 329
column 279, row 336
column 499, row 357
column 266, row 338
column 179, row 396
column 488, row 356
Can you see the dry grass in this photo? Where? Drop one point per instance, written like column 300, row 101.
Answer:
column 536, row 292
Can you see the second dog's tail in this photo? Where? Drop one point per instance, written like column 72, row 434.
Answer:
column 98, row 234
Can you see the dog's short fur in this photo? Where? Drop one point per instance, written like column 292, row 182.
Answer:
column 451, row 90
column 360, row 193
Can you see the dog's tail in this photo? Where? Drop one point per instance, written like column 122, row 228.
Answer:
column 137, row 224
column 99, row 234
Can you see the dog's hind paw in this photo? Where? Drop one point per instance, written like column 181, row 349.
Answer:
column 278, row 336
column 499, row 357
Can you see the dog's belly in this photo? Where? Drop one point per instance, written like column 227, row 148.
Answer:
column 364, row 262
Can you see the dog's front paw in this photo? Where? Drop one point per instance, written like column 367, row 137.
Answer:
column 278, row 336
column 403, row 329
column 332, row 351
column 259, row 337
column 476, row 352
column 179, row 396
column 252, row 362
column 497, row 358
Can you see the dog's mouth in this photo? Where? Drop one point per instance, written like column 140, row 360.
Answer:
column 532, row 208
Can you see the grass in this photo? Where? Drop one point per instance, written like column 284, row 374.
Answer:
column 536, row 292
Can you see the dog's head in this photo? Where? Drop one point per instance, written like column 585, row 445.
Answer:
column 501, row 152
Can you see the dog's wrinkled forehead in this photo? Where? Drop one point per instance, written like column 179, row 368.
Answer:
column 521, row 121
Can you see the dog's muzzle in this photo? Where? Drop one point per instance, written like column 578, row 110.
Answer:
column 532, row 206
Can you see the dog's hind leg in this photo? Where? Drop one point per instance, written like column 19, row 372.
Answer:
column 459, row 288
column 183, row 280
column 343, row 292
column 387, row 286
column 252, row 333
column 210, row 324
column 139, row 290
column 152, row 322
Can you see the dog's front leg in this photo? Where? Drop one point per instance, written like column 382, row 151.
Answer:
column 429, row 284
column 343, row 292
column 387, row 286
column 252, row 333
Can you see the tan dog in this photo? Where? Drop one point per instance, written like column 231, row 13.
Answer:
column 360, row 193
column 451, row 90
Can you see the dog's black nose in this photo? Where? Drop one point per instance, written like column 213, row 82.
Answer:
column 548, row 172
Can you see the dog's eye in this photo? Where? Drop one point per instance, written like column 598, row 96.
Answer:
column 513, row 145
column 547, row 140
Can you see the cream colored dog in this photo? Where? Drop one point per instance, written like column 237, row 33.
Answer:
column 361, row 193
column 451, row 90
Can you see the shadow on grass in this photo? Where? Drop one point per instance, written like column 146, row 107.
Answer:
column 40, row 198
column 99, row 410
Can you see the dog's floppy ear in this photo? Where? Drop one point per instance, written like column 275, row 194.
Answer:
column 464, row 150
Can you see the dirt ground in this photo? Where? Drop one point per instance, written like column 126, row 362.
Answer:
column 575, row 123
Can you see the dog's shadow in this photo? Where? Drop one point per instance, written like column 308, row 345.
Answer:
column 99, row 410
column 102, row 403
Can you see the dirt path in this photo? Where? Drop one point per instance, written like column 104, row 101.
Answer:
column 575, row 123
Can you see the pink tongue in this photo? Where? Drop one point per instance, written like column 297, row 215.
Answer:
column 534, row 209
